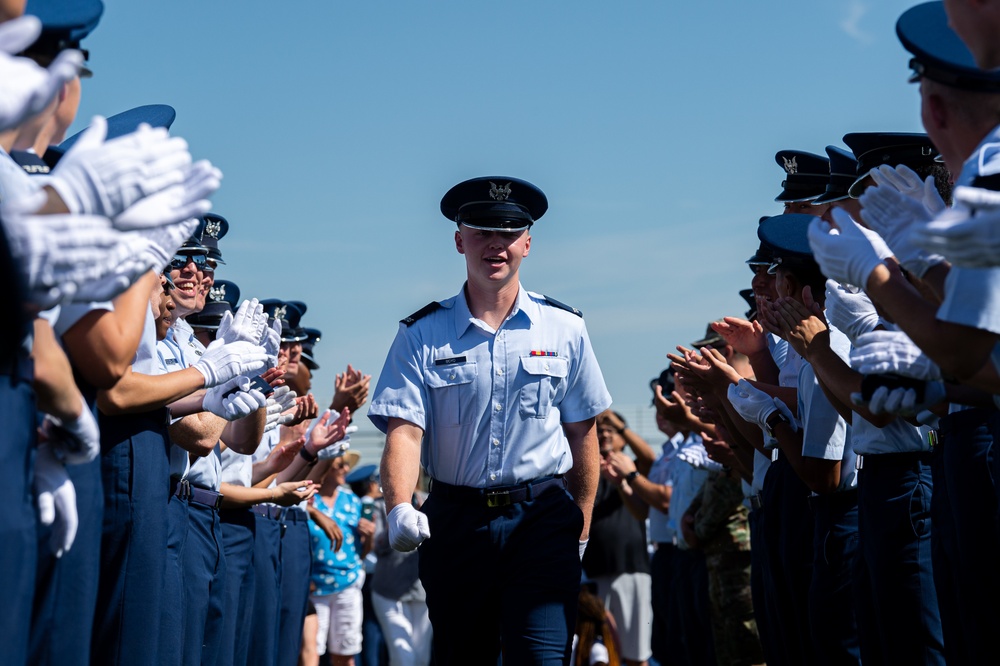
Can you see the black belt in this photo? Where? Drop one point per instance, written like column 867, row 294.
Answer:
column 272, row 512
column 882, row 460
column 842, row 499
column 183, row 489
column 499, row 495
column 756, row 501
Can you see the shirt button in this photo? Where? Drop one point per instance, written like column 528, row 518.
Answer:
column 498, row 406
column 546, row 366
column 493, row 477
column 496, row 442
column 499, row 371
column 452, row 375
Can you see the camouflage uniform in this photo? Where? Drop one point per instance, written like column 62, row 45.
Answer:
column 720, row 523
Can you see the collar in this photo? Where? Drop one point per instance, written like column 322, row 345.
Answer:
column 523, row 306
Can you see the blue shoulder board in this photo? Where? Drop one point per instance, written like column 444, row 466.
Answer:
column 562, row 306
column 421, row 313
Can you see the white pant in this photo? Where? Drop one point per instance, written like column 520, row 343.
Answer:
column 406, row 628
column 338, row 617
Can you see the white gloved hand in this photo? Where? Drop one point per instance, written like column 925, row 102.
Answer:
column 234, row 400
column 75, row 441
column 271, row 342
column 186, row 200
column 849, row 310
column 969, row 234
column 247, row 324
column 282, row 399
column 901, row 401
column 583, row 547
column 894, row 215
column 163, row 242
column 847, row 254
column 56, row 498
column 223, row 363
column 335, row 450
column 108, row 177
column 26, row 89
column 892, row 352
column 407, row 527
column 754, row 405
column 907, row 182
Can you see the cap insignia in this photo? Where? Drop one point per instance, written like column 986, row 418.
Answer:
column 791, row 165
column 499, row 193
column 213, row 228
column 217, row 293
column 280, row 311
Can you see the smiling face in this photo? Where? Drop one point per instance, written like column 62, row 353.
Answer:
column 289, row 355
column 492, row 258
column 188, row 280
column 763, row 287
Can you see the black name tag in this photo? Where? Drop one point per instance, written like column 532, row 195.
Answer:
column 450, row 361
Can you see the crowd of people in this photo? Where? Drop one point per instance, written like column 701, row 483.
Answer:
column 176, row 495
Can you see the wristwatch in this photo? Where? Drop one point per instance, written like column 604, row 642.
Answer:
column 772, row 422
column 631, row 475
column 308, row 457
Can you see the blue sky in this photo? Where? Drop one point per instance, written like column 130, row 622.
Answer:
column 651, row 127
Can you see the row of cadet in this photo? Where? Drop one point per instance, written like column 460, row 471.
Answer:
column 168, row 478
column 857, row 402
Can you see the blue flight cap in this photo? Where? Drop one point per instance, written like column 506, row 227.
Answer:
column 872, row 149
column 764, row 256
column 313, row 336
column 747, row 295
column 711, row 339
column 213, row 228
column 120, row 124
column 806, row 175
column 64, row 24
column 938, row 53
column 787, row 235
column 665, row 382
column 288, row 314
column 494, row 203
column 365, row 473
column 223, row 297
column 843, row 173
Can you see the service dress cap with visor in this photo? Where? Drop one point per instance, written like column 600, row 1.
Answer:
column 120, row 124
column 494, row 203
column 938, row 53
column 843, row 173
column 223, row 297
column 806, row 175
column 787, row 235
column 764, row 256
column 288, row 314
column 313, row 335
column 214, row 228
column 873, row 149
column 65, row 23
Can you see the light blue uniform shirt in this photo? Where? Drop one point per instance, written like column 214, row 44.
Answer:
column 972, row 295
column 825, row 433
column 660, row 529
column 687, row 480
column 491, row 403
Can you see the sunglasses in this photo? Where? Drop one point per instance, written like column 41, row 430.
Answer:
column 201, row 262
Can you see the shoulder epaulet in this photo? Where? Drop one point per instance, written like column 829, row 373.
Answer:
column 562, row 306
column 988, row 182
column 421, row 313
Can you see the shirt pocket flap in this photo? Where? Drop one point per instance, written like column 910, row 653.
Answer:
column 545, row 365
column 450, row 375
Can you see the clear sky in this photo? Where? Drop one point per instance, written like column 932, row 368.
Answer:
column 651, row 127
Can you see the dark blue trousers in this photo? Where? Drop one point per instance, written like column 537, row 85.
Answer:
column 666, row 640
column 267, row 585
column 66, row 587
column 238, row 527
column 135, row 473
column 171, row 630
column 763, row 606
column 18, row 539
column 204, row 571
column 894, row 524
column 690, row 608
column 965, row 544
column 832, row 615
column 789, row 530
column 296, row 566
column 507, row 574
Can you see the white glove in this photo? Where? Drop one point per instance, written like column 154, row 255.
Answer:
column 163, row 242
column 969, row 234
column 271, row 342
column 26, row 89
column 583, row 547
column 108, row 177
column 234, row 400
column 247, row 324
column 407, row 527
column 907, row 182
column 849, row 310
column 892, row 352
column 282, row 399
column 335, row 450
column 901, row 401
column 223, row 363
column 847, row 254
column 74, row 441
column 176, row 203
column 894, row 215
column 56, row 500
column 755, row 406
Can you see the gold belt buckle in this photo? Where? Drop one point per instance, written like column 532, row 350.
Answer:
column 497, row 498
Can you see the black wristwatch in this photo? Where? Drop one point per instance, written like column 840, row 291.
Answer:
column 772, row 422
column 631, row 475
column 308, row 457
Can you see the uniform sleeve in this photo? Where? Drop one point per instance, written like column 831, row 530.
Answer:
column 586, row 393
column 400, row 392
column 824, row 431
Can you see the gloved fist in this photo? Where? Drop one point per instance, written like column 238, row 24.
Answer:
column 905, row 402
column 849, row 310
column 102, row 177
column 26, row 88
column 74, row 441
column 967, row 235
column 225, row 362
column 56, row 498
column 847, row 254
column 751, row 403
column 892, row 352
column 407, row 527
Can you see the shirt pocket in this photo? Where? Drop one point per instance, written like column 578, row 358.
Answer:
column 543, row 377
column 452, row 393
